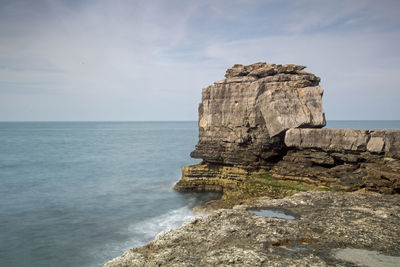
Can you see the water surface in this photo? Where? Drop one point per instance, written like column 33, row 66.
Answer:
column 80, row 193
column 273, row 213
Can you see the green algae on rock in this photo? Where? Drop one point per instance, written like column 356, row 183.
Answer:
column 237, row 185
column 265, row 118
column 262, row 149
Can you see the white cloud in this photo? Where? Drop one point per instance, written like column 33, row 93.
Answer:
column 354, row 67
column 150, row 59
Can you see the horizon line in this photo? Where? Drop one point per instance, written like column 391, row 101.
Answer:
column 164, row 120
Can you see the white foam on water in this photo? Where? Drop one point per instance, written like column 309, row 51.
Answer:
column 145, row 231
column 142, row 232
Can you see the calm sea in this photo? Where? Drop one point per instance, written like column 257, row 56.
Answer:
column 80, row 193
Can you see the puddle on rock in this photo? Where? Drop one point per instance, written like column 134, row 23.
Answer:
column 273, row 213
column 367, row 257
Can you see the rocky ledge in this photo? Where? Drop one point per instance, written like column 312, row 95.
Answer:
column 343, row 159
column 261, row 145
column 325, row 223
column 264, row 119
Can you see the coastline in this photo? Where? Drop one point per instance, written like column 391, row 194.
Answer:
column 325, row 224
column 262, row 147
column 338, row 160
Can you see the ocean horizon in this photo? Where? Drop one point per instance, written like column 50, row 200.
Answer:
column 80, row 193
column 345, row 124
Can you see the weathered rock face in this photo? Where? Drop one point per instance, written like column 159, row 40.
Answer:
column 254, row 145
column 325, row 222
column 237, row 185
column 242, row 119
column 343, row 159
column 383, row 142
column 263, row 116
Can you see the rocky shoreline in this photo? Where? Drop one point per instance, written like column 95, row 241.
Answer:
column 316, row 159
column 262, row 148
column 326, row 222
column 266, row 118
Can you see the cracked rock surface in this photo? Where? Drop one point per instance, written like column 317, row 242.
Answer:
column 243, row 118
column 325, row 222
column 267, row 116
column 258, row 133
column 343, row 159
column 340, row 140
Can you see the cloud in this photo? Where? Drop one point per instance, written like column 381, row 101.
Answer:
column 148, row 60
column 356, row 68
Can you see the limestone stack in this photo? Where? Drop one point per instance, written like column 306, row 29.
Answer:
column 243, row 118
column 265, row 117
column 259, row 138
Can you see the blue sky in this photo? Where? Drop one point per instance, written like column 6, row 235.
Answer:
column 148, row 60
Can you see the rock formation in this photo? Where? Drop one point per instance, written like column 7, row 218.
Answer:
column 258, row 140
column 243, row 118
column 343, row 159
column 326, row 222
column 263, row 117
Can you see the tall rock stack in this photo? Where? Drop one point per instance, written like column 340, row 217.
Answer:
column 243, row 118
column 260, row 137
column 254, row 120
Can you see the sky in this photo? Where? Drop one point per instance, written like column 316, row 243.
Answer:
column 148, row 60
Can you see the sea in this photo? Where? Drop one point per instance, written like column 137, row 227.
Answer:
column 81, row 193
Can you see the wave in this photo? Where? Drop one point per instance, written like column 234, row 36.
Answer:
column 145, row 231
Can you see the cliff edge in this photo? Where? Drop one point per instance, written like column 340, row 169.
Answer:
column 261, row 142
column 260, row 137
column 243, row 118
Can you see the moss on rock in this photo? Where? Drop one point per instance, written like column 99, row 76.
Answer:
column 238, row 185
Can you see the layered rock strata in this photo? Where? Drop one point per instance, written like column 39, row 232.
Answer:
column 263, row 117
column 343, row 159
column 325, row 222
column 237, row 185
column 243, row 118
column 257, row 139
